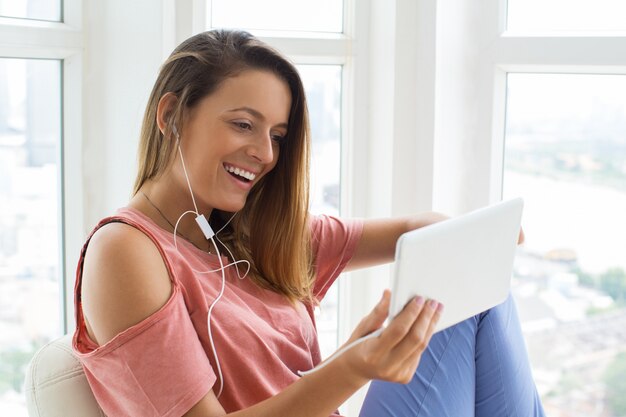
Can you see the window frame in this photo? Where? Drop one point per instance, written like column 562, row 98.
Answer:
column 469, row 105
column 63, row 41
column 554, row 53
column 469, row 156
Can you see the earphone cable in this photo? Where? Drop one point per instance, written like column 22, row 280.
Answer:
column 335, row 355
column 182, row 160
column 219, row 257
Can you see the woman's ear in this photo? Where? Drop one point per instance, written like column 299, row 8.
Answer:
column 165, row 110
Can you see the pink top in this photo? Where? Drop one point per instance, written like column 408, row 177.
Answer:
column 164, row 365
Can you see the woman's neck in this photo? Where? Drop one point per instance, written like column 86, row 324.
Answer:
column 166, row 208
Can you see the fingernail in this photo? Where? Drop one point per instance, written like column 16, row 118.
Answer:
column 433, row 304
column 419, row 300
column 439, row 308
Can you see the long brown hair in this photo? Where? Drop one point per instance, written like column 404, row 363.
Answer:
column 272, row 230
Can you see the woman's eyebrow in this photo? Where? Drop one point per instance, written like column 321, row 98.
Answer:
column 255, row 113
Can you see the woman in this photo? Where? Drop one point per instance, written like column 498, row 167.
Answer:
column 167, row 326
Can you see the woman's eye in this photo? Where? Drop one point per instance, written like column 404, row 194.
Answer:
column 278, row 138
column 243, row 125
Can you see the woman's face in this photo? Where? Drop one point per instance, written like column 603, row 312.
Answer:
column 231, row 138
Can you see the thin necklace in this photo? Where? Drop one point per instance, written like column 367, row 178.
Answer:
column 170, row 223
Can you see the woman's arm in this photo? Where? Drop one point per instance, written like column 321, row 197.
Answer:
column 124, row 281
column 317, row 394
column 378, row 241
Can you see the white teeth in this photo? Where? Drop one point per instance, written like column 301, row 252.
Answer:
column 242, row 173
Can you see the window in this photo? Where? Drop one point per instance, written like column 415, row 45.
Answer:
column 566, row 156
column 564, row 153
column 322, row 84
column 39, row 173
column 31, row 9
column 323, row 90
column 522, row 112
column 30, row 290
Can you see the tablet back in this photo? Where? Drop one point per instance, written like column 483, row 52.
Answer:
column 464, row 262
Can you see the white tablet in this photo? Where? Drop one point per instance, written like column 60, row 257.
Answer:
column 464, row 262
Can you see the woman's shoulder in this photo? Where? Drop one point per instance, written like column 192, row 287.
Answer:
column 124, row 235
column 116, row 230
column 120, row 240
column 327, row 225
column 124, row 279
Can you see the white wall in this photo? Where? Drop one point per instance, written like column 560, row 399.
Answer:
column 464, row 85
column 123, row 51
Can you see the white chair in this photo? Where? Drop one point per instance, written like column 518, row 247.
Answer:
column 56, row 385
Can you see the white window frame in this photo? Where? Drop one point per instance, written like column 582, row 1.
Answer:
column 470, row 104
column 474, row 53
column 35, row 39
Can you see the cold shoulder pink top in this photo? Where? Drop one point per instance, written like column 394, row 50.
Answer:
column 164, row 365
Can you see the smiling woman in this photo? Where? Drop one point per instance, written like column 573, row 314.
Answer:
column 225, row 132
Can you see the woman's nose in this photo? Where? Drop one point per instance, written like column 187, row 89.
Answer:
column 262, row 148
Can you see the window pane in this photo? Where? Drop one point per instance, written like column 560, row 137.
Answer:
column 566, row 156
column 30, row 303
column 288, row 15
column 566, row 15
column 32, row 9
column 323, row 89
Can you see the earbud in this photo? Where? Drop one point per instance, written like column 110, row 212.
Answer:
column 175, row 131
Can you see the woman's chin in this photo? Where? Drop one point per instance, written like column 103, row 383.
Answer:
column 232, row 206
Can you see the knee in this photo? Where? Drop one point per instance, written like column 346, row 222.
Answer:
column 505, row 310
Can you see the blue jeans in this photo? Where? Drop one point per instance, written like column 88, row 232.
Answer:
column 478, row 367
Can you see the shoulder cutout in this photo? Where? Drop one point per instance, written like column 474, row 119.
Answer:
column 124, row 280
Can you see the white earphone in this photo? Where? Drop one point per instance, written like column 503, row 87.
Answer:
column 209, row 234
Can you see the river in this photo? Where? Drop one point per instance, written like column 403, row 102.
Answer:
column 590, row 220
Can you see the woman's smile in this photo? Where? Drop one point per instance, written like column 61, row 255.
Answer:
column 242, row 178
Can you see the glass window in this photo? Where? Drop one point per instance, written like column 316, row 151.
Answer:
column 32, row 9
column 566, row 15
column 565, row 154
column 323, row 91
column 280, row 15
column 30, row 271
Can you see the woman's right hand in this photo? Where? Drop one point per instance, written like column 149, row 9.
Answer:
column 393, row 355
